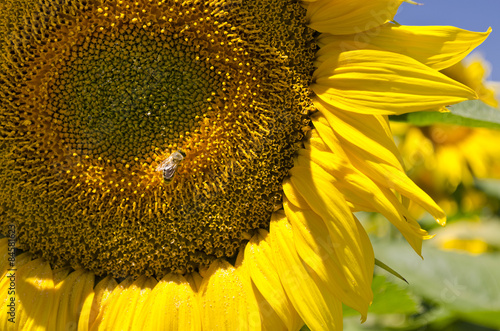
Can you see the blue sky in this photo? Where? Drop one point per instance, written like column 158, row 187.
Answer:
column 466, row 14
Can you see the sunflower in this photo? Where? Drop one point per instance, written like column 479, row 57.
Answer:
column 267, row 121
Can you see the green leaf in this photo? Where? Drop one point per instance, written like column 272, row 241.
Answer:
column 465, row 284
column 389, row 270
column 389, row 298
column 477, row 110
column 473, row 113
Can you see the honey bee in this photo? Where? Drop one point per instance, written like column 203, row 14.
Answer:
column 169, row 166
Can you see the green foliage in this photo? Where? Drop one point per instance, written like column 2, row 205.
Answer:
column 389, row 298
column 462, row 286
column 473, row 113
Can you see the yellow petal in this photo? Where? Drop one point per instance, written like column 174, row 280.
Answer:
column 370, row 132
column 293, row 196
column 102, row 292
column 380, row 82
column 319, row 310
column 350, row 16
column 7, row 288
column 315, row 186
column 438, row 47
column 172, row 305
column 316, row 248
column 35, row 295
column 366, row 195
column 259, row 256
column 388, row 176
column 70, row 297
column 327, row 135
column 270, row 319
column 84, row 320
column 125, row 304
column 227, row 299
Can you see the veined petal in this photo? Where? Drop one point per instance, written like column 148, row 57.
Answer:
column 102, row 292
column 350, row 16
column 70, row 298
column 293, row 195
column 366, row 195
column 319, row 310
column 262, row 269
column 316, row 248
column 380, row 82
column 125, row 304
column 315, row 186
column 396, row 179
column 271, row 321
column 227, row 299
column 8, row 311
column 326, row 136
column 172, row 305
column 84, row 320
column 35, row 293
column 370, row 132
column 438, row 47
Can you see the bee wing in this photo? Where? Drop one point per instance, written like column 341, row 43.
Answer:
column 164, row 164
column 169, row 172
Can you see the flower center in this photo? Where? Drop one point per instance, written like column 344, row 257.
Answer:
column 114, row 90
column 115, row 95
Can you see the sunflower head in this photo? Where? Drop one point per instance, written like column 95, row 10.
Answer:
column 99, row 95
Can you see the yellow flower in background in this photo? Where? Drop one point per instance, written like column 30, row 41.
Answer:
column 473, row 235
column 279, row 111
column 444, row 156
column 473, row 72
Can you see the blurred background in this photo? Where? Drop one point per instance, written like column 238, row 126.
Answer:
column 456, row 286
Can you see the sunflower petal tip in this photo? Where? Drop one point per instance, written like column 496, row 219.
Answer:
column 414, row 3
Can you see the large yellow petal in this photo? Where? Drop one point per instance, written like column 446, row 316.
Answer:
column 70, row 297
column 35, row 294
column 315, row 186
column 262, row 269
column 102, row 292
column 84, row 320
column 270, row 319
column 124, row 304
column 381, row 82
column 7, row 285
column 319, row 310
column 350, row 16
column 227, row 299
column 366, row 195
column 438, row 47
column 370, row 132
column 316, row 248
column 395, row 179
column 172, row 305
